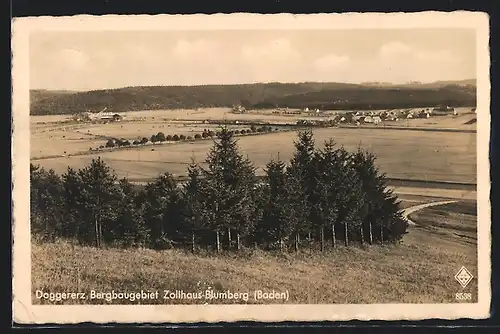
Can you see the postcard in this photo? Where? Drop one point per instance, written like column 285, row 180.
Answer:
column 249, row 167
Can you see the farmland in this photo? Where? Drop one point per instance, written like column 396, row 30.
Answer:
column 428, row 155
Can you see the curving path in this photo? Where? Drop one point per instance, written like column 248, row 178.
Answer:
column 410, row 210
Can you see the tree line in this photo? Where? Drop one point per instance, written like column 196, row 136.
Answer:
column 322, row 195
column 160, row 136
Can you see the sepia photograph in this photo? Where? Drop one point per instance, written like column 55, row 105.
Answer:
column 251, row 167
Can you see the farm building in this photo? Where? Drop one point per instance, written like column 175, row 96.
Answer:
column 238, row 109
column 424, row 114
column 368, row 119
column 444, row 110
column 110, row 117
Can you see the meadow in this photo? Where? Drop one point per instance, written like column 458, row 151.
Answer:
column 425, row 155
column 363, row 274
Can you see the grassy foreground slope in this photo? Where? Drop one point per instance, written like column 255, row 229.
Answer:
column 269, row 95
column 420, row 270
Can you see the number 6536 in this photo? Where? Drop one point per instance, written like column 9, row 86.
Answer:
column 463, row 296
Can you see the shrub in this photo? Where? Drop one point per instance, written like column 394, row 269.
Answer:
column 160, row 137
column 110, row 143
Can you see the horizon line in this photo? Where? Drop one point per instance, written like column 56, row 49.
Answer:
column 258, row 83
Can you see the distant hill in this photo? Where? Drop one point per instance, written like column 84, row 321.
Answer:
column 471, row 83
column 38, row 95
column 261, row 95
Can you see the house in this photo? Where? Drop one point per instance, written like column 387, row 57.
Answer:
column 238, row 109
column 356, row 118
column 376, row 119
column 423, row 114
column 444, row 110
column 117, row 118
column 368, row 119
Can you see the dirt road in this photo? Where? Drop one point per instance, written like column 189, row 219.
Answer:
column 410, row 210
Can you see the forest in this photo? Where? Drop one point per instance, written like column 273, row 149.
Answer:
column 331, row 96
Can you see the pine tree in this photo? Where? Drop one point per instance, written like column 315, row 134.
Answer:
column 195, row 207
column 72, row 186
column 296, row 207
column 159, row 198
column 301, row 176
column 99, row 199
column 275, row 220
column 47, row 203
column 130, row 227
column 349, row 195
column 230, row 183
column 331, row 188
column 380, row 208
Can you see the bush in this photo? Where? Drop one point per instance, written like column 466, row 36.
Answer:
column 160, row 137
column 205, row 134
column 197, row 136
column 189, row 137
column 144, row 140
column 169, row 138
column 182, row 137
column 110, row 143
column 136, row 142
column 175, row 137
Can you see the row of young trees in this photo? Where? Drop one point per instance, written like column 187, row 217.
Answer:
column 321, row 194
column 160, row 137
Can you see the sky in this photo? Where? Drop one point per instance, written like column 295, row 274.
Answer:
column 106, row 60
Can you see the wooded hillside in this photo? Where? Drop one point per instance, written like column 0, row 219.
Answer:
column 293, row 95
